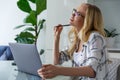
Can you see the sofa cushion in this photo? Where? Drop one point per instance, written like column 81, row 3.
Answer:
column 5, row 53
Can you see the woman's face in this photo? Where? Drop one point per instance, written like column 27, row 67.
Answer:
column 78, row 15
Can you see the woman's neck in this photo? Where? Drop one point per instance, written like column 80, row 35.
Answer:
column 79, row 46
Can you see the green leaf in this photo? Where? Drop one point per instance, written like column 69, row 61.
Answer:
column 33, row 1
column 24, row 5
column 29, row 29
column 25, row 37
column 27, row 34
column 114, row 35
column 19, row 26
column 24, row 40
column 42, row 51
column 31, row 18
column 40, row 6
column 41, row 22
column 111, row 33
column 40, row 25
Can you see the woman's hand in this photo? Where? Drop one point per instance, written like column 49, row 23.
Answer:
column 57, row 30
column 48, row 71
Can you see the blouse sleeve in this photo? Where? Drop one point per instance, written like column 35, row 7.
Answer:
column 63, row 56
column 96, row 56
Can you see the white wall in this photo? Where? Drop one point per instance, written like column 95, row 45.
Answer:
column 10, row 16
column 111, row 14
column 41, row 38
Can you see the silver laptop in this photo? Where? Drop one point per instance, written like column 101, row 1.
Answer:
column 26, row 57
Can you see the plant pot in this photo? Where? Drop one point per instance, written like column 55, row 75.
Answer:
column 110, row 41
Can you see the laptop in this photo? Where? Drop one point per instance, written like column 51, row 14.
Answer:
column 26, row 57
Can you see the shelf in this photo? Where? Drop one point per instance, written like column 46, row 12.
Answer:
column 113, row 50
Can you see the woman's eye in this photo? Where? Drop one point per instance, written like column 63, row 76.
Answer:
column 78, row 14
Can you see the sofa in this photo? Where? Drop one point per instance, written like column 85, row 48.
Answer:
column 5, row 53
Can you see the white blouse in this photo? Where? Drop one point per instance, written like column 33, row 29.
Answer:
column 93, row 54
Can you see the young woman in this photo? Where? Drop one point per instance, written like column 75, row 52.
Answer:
column 87, row 50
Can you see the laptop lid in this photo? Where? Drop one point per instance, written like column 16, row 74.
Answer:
column 26, row 57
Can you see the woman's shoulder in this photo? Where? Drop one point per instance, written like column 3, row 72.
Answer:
column 96, row 39
column 95, row 35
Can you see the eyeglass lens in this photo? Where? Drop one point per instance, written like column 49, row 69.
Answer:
column 76, row 13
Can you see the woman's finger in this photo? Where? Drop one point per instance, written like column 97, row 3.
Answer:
column 57, row 27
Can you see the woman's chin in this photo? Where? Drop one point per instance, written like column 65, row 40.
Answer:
column 70, row 23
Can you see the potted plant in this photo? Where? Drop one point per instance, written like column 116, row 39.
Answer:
column 31, row 26
column 111, row 33
column 110, row 37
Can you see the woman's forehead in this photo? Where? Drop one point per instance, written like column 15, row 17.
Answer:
column 82, row 8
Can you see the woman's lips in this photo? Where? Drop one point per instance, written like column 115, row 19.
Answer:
column 71, row 19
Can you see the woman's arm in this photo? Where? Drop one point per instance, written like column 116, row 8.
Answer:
column 57, row 32
column 77, row 71
column 50, row 71
column 56, row 50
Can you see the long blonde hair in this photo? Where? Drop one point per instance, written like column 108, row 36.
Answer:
column 93, row 21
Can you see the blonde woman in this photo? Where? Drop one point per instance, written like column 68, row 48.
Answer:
column 87, row 50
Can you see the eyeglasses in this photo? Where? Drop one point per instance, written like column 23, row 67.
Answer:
column 74, row 11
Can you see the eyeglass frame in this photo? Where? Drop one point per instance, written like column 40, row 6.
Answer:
column 74, row 11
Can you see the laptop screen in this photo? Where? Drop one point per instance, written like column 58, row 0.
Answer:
column 26, row 57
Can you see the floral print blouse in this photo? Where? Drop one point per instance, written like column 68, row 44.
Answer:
column 93, row 54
